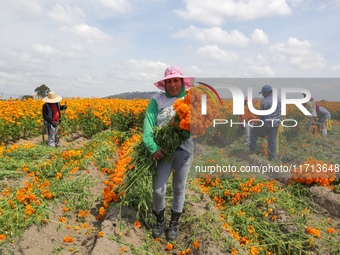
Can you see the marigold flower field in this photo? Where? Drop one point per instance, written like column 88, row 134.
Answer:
column 19, row 119
column 246, row 205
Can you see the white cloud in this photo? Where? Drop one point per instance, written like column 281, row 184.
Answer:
column 23, row 7
column 301, row 54
column 80, row 47
column 139, row 70
column 88, row 33
column 329, row 4
column 335, row 68
column 7, row 76
column 257, row 59
column 44, row 49
column 214, row 12
column 192, row 71
column 295, row 2
column 67, row 14
column 140, row 75
column 259, row 71
column 121, row 6
column 259, row 37
column 215, row 53
column 65, row 52
column 216, row 35
column 88, row 79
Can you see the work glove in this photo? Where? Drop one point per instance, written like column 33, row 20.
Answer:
column 54, row 124
column 65, row 107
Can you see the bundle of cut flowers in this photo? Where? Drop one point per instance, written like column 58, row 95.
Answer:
column 135, row 187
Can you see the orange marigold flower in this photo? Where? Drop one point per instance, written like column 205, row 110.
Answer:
column 62, row 219
column 169, row 246
column 83, row 213
column 102, row 211
column 234, row 252
column 330, row 230
column 137, row 224
column 29, row 210
column 123, row 249
column 196, row 244
column 254, row 250
column 313, row 231
column 100, row 234
column 68, row 239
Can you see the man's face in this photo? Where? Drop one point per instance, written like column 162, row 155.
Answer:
column 264, row 94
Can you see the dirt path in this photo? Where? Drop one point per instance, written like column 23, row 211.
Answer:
column 50, row 238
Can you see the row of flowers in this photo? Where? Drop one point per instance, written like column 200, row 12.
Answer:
column 23, row 118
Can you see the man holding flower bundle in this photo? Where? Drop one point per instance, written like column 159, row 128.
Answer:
column 160, row 112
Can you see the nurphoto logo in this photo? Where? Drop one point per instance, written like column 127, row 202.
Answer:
column 239, row 99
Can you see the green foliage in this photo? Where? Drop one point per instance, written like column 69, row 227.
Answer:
column 137, row 186
column 89, row 124
column 42, row 91
column 26, row 97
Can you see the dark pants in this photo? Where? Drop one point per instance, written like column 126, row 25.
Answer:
column 271, row 132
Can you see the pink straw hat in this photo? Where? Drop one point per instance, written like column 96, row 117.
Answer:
column 175, row 72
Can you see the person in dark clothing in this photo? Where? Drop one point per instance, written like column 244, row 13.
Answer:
column 269, row 127
column 51, row 114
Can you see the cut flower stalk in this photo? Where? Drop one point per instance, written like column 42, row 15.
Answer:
column 137, row 182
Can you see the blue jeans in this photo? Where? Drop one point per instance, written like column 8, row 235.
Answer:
column 271, row 132
column 310, row 121
column 53, row 135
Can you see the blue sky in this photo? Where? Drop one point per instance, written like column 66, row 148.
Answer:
column 104, row 47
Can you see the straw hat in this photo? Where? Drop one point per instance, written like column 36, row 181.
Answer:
column 175, row 72
column 52, row 98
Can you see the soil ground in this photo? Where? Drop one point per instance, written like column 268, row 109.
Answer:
column 200, row 218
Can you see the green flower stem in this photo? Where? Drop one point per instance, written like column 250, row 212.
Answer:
column 137, row 183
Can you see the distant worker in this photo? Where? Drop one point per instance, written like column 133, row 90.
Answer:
column 323, row 115
column 271, row 123
column 248, row 115
column 51, row 114
column 312, row 106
